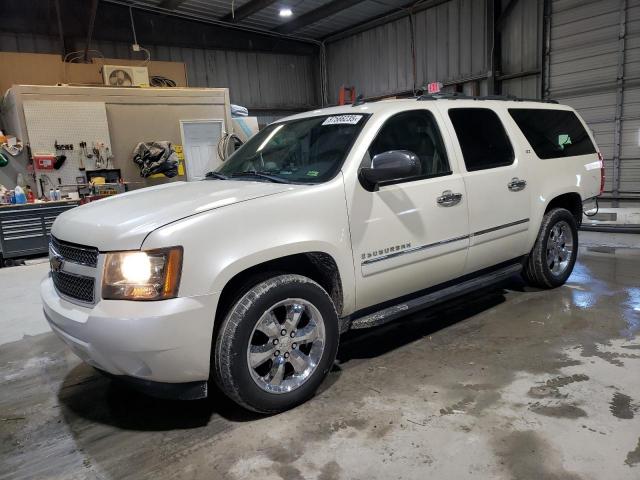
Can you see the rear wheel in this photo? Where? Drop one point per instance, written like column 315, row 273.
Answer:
column 277, row 344
column 551, row 261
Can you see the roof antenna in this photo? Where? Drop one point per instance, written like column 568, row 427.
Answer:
column 358, row 101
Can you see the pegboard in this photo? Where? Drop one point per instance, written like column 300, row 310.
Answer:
column 66, row 123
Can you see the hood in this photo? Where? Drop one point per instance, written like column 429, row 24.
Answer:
column 123, row 221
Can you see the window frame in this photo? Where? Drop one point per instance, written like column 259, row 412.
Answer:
column 414, row 178
column 340, row 165
column 504, row 129
column 572, row 112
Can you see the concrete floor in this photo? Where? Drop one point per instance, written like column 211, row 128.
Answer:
column 506, row 383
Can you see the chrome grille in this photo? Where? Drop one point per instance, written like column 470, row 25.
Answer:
column 76, row 254
column 74, row 286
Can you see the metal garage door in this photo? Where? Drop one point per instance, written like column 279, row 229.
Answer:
column 593, row 64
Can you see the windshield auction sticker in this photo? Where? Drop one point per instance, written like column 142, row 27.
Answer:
column 342, row 120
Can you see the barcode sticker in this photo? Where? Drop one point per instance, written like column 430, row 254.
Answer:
column 342, row 120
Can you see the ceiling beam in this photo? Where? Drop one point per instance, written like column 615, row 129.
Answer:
column 171, row 4
column 90, row 28
column 316, row 15
column 246, row 10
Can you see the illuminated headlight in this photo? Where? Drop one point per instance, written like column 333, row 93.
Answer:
column 146, row 275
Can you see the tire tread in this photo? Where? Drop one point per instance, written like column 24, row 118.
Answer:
column 535, row 269
column 224, row 356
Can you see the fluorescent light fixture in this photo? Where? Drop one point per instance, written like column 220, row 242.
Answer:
column 285, row 12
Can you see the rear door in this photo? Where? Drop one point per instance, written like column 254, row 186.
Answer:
column 495, row 178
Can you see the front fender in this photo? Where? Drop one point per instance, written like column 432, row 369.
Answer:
column 222, row 243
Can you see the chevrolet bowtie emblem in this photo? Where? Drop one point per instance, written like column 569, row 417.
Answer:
column 55, row 260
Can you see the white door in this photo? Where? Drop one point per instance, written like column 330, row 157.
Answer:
column 200, row 142
column 404, row 238
column 496, row 185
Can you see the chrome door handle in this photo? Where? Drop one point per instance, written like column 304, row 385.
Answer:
column 448, row 199
column 515, row 185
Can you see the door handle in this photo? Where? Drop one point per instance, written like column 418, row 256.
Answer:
column 448, row 199
column 515, row 185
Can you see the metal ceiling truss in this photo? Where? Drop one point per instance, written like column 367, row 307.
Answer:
column 246, row 10
column 316, row 15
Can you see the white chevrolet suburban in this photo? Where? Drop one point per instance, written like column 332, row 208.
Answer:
column 330, row 220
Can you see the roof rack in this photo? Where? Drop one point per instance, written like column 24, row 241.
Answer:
column 462, row 96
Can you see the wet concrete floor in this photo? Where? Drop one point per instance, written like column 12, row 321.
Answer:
column 506, row 383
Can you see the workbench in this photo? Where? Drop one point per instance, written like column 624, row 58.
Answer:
column 25, row 229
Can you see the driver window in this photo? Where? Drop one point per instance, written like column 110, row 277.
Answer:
column 417, row 132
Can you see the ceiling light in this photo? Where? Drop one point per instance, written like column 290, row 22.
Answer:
column 285, row 12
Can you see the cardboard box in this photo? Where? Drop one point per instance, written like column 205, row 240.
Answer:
column 48, row 69
column 29, row 69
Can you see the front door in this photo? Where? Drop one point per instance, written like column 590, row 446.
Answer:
column 412, row 234
column 496, row 185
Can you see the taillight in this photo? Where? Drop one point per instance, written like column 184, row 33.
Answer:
column 601, row 158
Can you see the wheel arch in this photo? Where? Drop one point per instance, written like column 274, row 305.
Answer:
column 571, row 201
column 319, row 266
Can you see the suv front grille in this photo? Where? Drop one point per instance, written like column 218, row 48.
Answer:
column 74, row 274
column 74, row 286
column 73, row 253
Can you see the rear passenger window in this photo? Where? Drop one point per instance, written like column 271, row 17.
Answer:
column 553, row 133
column 482, row 138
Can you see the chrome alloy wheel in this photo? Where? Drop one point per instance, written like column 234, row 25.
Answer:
column 559, row 248
column 286, row 345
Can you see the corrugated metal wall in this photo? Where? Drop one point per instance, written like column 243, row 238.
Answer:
column 450, row 45
column 255, row 79
column 521, row 48
column 594, row 65
column 377, row 61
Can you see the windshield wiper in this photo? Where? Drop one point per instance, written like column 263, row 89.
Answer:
column 256, row 174
column 216, row 175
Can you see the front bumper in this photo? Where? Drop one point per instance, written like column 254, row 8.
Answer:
column 167, row 341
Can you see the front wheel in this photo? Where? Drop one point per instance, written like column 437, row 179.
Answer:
column 554, row 254
column 277, row 344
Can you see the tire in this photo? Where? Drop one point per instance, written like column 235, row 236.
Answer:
column 249, row 331
column 540, row 270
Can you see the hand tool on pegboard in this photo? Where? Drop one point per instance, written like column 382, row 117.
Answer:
column 82, row 154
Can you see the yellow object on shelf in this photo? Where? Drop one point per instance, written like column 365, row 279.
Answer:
column 98, row 180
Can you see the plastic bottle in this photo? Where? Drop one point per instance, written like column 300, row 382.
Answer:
column 58, row 195
column 30, row 196
column 20, row 196
column 20, row 181
column 52, row 195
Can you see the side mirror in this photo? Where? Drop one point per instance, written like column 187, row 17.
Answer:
column 389, row 166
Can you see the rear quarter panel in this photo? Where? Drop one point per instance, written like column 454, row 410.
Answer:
column 550, row 178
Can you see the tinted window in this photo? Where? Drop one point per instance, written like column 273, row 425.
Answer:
column 553, row 133
column 482, row 138
column 417, row 132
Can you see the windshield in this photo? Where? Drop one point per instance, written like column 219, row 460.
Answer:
column 309, row 150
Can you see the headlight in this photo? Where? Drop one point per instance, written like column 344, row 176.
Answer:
column 146, row 275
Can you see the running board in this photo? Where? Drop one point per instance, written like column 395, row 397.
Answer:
column 389, row 314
